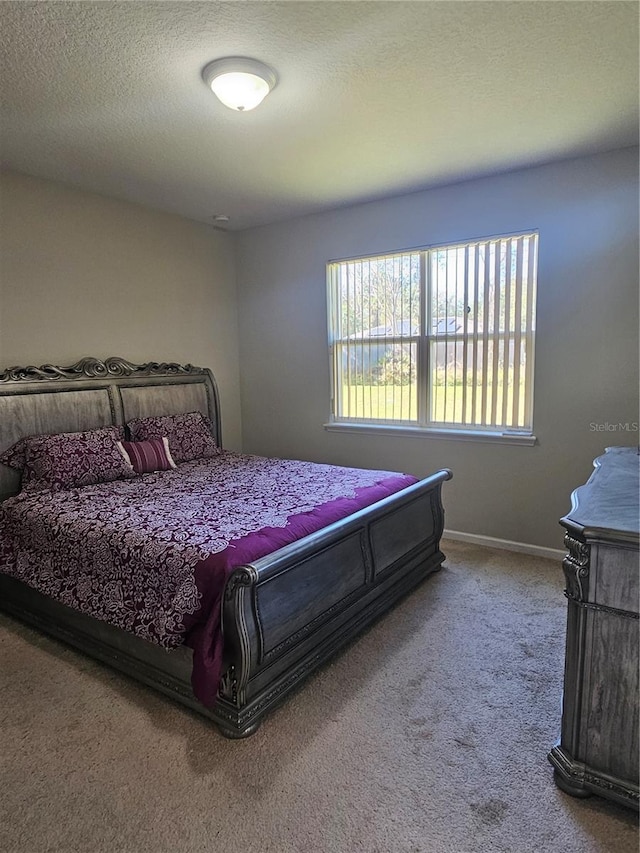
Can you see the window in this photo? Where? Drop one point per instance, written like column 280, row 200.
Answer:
column 439, row 338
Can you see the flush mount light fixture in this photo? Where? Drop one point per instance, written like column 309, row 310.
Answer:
column 240, row 83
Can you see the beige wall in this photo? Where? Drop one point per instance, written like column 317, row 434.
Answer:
column 82, row 274
column 587, row 341
column 86, row 275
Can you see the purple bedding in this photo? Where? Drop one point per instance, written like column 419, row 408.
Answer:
column 152, row 555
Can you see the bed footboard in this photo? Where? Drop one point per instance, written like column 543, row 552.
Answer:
column 286, row 614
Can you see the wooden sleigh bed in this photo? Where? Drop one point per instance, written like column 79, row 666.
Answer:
column 282, row 615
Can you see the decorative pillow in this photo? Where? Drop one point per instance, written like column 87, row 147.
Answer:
column 15, row 456
column 190, row 434
column 68, row 460
column 148, row 456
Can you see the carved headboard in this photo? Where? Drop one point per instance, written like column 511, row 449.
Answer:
column 94, row 393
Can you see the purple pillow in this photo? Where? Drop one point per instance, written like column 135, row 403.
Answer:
column 15, row 456
column 69, row 460
column 190, row 434
column 148, row 456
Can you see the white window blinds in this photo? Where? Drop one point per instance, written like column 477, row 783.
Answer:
column 440, row 337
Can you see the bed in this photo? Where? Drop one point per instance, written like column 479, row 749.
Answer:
column 279, row 615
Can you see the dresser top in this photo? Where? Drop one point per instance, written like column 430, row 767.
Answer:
column 607, row 507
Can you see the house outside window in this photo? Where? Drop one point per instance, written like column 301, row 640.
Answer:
column 436, row 339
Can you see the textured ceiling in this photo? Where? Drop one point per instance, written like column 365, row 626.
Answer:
column 374, row 98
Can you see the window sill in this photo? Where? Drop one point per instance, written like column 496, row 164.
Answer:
column 517, row 438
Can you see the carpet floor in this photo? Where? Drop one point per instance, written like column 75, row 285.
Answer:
column 429, row 733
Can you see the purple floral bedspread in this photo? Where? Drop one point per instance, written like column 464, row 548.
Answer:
column 152, row 555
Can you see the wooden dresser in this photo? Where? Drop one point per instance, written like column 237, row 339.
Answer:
column 598, row 748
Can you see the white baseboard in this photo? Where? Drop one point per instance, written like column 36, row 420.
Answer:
column 504, row 544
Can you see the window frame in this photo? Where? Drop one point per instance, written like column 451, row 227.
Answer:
column 425, row 342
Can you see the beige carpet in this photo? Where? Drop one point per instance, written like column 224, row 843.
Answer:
column 430, row 733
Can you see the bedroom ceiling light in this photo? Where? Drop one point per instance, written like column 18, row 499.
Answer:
column 240, row 83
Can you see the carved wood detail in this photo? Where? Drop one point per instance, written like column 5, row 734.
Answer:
column 241, row 577
column 576, row 567
column 229, row 685
column 93, row 367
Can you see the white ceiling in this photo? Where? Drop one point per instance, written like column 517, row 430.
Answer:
column 374, row 98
